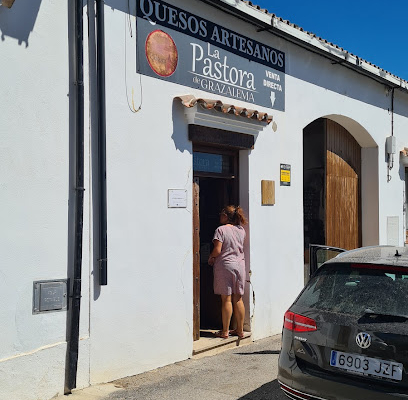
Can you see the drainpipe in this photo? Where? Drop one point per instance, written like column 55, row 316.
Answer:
column 73, row 342
column 100, row 49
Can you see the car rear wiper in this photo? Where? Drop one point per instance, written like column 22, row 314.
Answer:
column 385, row 316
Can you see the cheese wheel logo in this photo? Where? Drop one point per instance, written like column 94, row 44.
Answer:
column 161, row 53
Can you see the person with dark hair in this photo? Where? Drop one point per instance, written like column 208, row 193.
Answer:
column 228, row 261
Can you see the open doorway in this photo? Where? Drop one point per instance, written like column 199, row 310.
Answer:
column 215, row 186
column 331, row 187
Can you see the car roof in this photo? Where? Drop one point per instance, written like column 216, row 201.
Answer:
column 384, row 255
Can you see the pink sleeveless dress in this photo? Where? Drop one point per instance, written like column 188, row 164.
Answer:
column 229, row 266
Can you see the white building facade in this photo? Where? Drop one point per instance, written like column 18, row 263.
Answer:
column 207, row 103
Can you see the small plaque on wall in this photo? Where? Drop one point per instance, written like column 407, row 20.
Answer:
column 177, row 198
column 268, row 193
column 285, row 175
column 50, row 296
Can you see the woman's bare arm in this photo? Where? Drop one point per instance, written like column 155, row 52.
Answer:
column 216, row 251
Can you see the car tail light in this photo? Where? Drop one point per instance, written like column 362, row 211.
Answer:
column 298, row 323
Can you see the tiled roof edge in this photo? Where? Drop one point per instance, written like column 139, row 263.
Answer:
column 309, row 38
column 190, row 100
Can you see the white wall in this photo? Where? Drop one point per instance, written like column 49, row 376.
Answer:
column 277, row 232
column 149, row 245
column 34, row 193
column 143, row 318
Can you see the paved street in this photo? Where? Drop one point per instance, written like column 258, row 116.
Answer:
column 245, row 373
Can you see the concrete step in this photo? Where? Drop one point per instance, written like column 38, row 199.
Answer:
column 208, row 344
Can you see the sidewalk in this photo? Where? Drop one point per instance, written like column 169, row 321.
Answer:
column 245, row 372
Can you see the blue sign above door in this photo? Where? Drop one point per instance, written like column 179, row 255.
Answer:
column 180, row 47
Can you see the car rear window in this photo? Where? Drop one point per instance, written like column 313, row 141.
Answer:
column 354, row 289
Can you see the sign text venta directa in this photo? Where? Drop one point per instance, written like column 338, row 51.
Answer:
column 183, row 48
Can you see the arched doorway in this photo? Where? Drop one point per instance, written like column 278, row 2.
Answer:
column 331, row 186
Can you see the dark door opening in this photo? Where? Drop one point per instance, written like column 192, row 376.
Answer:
column 216, row 185
column 214, row 195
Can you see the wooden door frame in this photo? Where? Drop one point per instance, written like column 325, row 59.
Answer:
column 196, row 258
column 196, row 220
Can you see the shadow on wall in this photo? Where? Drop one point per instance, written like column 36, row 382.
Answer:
column 401, row 171
column 180, row 128
column 18, row 22
column 126, row 6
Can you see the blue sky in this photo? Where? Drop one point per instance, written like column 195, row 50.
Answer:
column 374, row 30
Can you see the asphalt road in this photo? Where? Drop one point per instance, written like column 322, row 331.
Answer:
column 244, row 373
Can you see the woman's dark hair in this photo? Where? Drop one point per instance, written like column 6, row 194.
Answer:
column 235, row 215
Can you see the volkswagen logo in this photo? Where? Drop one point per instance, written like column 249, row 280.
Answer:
column 363, row 340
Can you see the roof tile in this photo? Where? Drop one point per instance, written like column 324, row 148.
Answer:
column 190, row 101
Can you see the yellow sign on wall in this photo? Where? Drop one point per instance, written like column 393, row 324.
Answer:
column 285, row 175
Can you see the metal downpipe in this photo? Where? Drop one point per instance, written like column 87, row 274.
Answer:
column 73, row 341
column 100, row 49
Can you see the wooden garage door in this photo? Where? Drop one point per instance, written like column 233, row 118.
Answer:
column 343, row 167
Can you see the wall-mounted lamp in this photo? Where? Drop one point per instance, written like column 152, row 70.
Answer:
column 7, row 3
column 390, row 148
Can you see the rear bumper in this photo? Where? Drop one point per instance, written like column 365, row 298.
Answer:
column 296, row 394
column 299, row 384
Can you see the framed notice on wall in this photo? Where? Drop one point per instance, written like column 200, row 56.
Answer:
column 177, row 198
column 285, row 175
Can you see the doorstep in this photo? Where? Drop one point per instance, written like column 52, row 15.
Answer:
column 209, row 345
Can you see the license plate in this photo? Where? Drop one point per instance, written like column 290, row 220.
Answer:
column 366, row 365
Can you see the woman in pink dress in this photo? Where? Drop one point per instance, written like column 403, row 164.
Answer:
column 228, row 261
